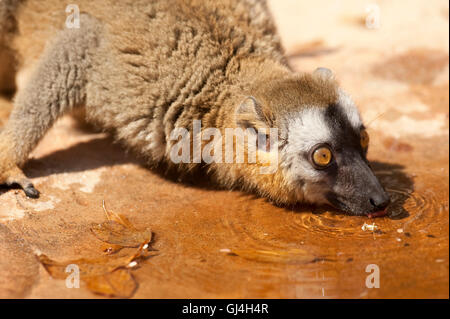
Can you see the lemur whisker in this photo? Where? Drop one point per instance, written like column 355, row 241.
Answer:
column 376, row 118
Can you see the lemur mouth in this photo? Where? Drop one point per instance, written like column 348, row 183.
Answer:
column 341, row 206
column 337, row 203
column 380, row 213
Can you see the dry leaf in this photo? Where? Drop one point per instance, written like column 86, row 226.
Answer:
column 112, row 232
column 88, row 267
column 119, row 283
column 109, row 275
column 118, row 231
column 119, row 219
column 111, row 249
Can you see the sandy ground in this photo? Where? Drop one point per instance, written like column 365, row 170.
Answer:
column 211, row 243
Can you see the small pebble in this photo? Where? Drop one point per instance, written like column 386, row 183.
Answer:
column 369, row 227
column 400, row 230
column 225, row 250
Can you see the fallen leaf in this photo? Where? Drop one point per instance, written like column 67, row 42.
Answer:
column 117, row 218
column 119, row 283
column 122, row 220
column 110, row 274
column 112, row 232
column 106, row 275
column 111, row 249
column 87, row 267
column 119, row 231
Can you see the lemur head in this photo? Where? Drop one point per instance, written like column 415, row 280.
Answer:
column 322, row 142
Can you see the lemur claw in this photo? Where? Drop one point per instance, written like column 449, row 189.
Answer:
column 16, row 177
column 31, row 192
column 28, row 188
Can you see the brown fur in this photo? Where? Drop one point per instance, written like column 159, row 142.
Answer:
column 142, row 68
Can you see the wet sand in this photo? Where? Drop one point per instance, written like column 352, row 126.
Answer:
column 213, row 243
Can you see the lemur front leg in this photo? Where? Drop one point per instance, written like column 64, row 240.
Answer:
column 56, row 86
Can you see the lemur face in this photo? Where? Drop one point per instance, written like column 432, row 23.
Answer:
column 324, row 156
column 322, row 143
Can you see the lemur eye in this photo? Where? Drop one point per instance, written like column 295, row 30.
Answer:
column 322, row 156
column 364, row 139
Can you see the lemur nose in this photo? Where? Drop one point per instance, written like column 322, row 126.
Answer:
column 380, row 200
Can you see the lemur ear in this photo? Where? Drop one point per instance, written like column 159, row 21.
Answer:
column 324, row 73
column 250, row 114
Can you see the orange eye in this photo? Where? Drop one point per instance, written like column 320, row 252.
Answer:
column 322, row 156
column 364, row 139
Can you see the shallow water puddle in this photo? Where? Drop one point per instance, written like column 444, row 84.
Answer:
column 292, row 256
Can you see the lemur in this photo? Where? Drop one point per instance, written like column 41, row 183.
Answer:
column 142, row 68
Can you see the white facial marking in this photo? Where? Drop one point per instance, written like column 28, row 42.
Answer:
column 350, row 109
column 306, row 129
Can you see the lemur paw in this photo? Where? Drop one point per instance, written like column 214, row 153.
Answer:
column 15, row 176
